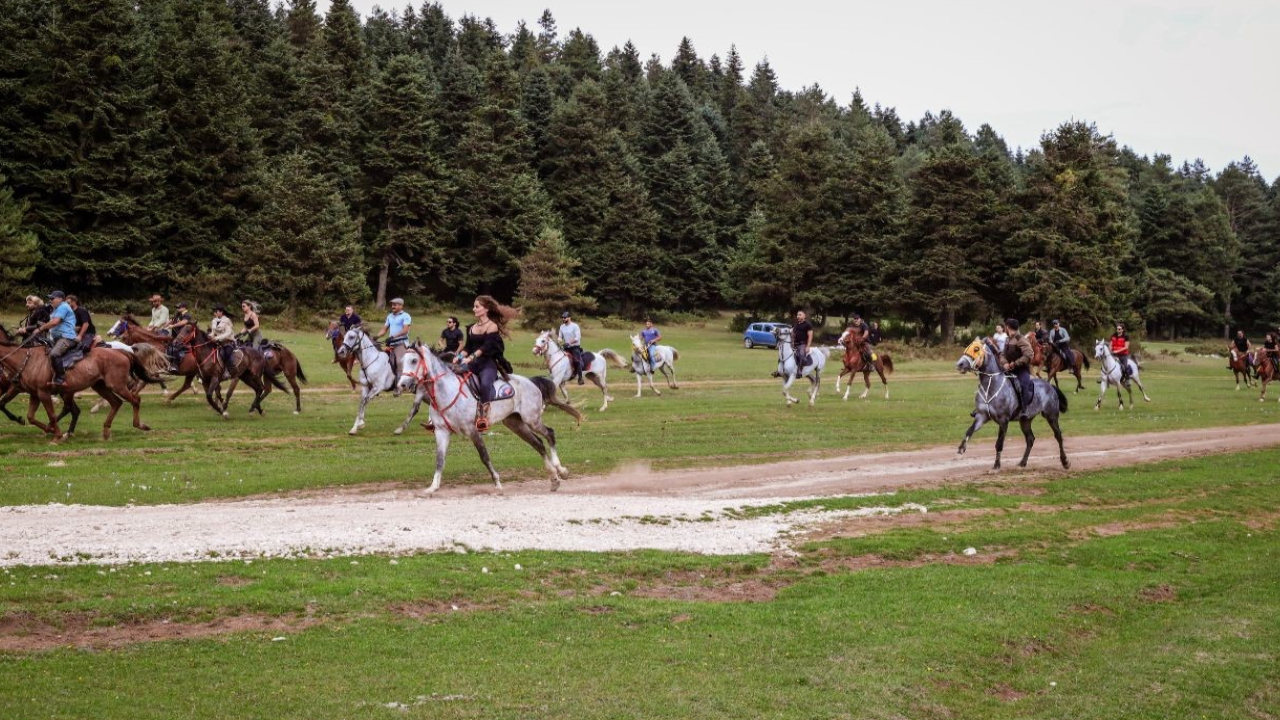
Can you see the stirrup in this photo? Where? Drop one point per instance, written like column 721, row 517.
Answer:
column 482, row 418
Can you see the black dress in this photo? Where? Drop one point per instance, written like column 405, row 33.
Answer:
column 486, row 366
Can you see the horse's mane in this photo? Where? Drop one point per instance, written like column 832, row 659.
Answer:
column 138, row 327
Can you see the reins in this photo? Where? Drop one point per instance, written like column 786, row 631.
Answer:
column 429, row 385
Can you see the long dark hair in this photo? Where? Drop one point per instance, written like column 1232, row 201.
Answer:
column 498, row 313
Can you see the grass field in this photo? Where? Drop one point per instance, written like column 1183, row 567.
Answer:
column 727, row 412
column 1149, row 592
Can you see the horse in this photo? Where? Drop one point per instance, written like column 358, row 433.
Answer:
column 854, row 363
column 997, row 401
column 346, row 362
column 281, row 360
column 129, row 331
column 107, row 371
column 664, row 361
column 787, row 366
column 560, row 365
column 376, row 373
column 1239, row 365
column 250, row 367
column 1267, row 373
column 453, row 412
column 1111, row 375
column 1056, row 365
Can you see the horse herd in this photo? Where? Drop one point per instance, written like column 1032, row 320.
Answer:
column 139, row 358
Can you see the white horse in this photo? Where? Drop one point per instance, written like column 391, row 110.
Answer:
column 560, row 365
column 787, row 366
column 1111, row 376
column 453, row 412
column 376, row 373
column 664, row 361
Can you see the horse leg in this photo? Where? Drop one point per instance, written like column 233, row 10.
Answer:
column 47, row 402
column 1029, row 436
column 442, row 448
column 33, row 402
column 292, row 377
column 815, row 381
column 671, row 380
column 1141, row 389
column 231, row 389
column 113, row 401
column 840, row 375
column 884, row 379
column 1079, row 379
column 546, row 432
column 866, row 380
column 368, row 394
column 564, row 391
column 604, row 390
column 653, row 387
column 1057, row 435
column 212, row 395
column 413, row 412
column 478, row 440
column 523, row 431
column 70, row 406
column 639, row 386
column 786, row 387
column 186, row 385
column 1101, row 394
column 1004, row 428
column 260, row 392
column 9, row 395
column 978, row 420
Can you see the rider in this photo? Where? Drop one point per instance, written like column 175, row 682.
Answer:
column 1060, row 343
column 451, row 337
column 222, row 332
column 37, row 315
column 397, row 324
column 650, row 336
column 349, row 319
column 483, row 352
column 252, row 324
column 1271, row 350
column 177, row 350
column 1017, row 360
column 1120, row 349
column 874, row 336
column 159, row 316
column 62, row 329
column 858, row 332
column 1041, row 335
column 1000, row 337
column 571, row 338
column 86, row 333
column 1244, row 348
column 802, row 333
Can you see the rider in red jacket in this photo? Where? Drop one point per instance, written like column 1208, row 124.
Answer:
column 1120, row 348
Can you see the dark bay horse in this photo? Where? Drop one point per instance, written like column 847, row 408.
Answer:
column 108, row 372
column 1056, row 364
column 249, row 366
column 346, row 361
column 280, row 360
column 130, row 332
column 855, row 362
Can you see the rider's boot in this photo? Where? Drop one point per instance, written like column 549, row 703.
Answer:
column 59, row 375
column 482, row 417
column 580, row 380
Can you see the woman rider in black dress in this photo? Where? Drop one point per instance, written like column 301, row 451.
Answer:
column 483, row 351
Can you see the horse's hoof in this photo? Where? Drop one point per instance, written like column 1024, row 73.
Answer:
column 352, row 433
column 397, row 431
column 1066, row 464
column 226, row 415
column 297, row 412
column 555, row 484
column 144, row 427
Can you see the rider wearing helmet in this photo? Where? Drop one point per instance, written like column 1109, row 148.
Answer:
column 1120, row 348
column 1017, row 360
column 571, row 339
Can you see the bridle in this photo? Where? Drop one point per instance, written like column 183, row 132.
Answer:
column 428, row 383
column 985, row 393
column 543, row 348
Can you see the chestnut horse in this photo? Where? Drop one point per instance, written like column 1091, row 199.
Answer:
column 1267, row 373
column 346, row 361
column 130, row 332
column 105, row 370
column 1056, row 364
column 1239, row 365
column 855, row 363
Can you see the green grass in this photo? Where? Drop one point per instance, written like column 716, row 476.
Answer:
column 1066, row 625
column 737, row 417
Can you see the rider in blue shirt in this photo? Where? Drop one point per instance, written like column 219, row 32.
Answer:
column 62, row 330
column 650, row 336
column 397, row 324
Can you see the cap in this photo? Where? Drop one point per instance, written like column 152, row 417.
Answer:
column 1055, row 322
column 182, row 305
column 564, row 314
column 397, row 301
column 57, row 295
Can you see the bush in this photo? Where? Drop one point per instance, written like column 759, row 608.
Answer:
column 1211, row 349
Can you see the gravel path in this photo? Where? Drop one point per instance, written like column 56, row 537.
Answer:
column 688, row 510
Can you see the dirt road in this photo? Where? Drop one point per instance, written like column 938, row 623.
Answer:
column 629, row 509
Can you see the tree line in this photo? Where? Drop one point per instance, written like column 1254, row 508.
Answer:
column 217, row 148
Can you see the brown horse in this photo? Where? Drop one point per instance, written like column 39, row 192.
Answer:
column 346, row 361
column 249, row 366
column 1239, row 365
column 130, row 332
column 855, row 363
column 105, row 370
column 281, row 360
column 1267, row 373
column 1056, row 364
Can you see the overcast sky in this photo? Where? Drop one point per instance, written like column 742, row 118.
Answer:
column 1191, row 79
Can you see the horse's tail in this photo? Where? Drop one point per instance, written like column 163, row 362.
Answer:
column 1085, row 356
column 147, row 363
column 301, row 375
column 551, row 397
column 675, row 354
column 888, row 363
column 1062, row 400
column 613, row 357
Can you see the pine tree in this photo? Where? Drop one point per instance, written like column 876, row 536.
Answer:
column 1244, row 193
column 18, row 245
column 301, row 249
column 1080, row 230
column 536, row 106
column 407, row 189
column 549, row 283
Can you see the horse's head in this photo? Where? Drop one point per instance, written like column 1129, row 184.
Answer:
column 542, row 345
column 973, row 356
column 351, row 342
column 1100, row 349
column 636, row 344
column 413, row 368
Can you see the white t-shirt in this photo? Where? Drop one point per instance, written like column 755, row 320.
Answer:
column 1001, row 339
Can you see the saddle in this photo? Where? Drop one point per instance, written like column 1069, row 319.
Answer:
column 587, row 359
column 502, row 390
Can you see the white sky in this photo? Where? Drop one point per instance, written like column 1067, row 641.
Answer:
column 1184, row 77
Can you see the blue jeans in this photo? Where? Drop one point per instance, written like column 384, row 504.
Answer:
column 486, row 372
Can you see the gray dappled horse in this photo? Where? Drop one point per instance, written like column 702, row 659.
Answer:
column 376, row 373
column 453, row 411
column 664, row 361
column 1111, row 376
column 997, row 401
column 787, row 366
column 560, row 365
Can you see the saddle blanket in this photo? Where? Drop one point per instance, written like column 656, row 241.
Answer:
column 502, row 390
